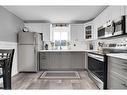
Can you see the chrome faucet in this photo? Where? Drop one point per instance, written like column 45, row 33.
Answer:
column 60, row 48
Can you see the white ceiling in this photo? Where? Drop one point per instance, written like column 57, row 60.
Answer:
column 56, row 14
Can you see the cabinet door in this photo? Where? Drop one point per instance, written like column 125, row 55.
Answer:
column 44, row 61
column 77, row 60
column 51, row 61
column 86, row 60
column 57, row 61
column 85, row 30
column 117, row 82
column 65, row 60
column 117, row 75
column 77, row 32
column 54, row 63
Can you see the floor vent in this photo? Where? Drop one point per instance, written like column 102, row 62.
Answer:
column 60, row 75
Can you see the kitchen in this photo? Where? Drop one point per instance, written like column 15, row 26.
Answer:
column 65, row 48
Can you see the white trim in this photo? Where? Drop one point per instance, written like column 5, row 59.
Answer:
column 11, row 45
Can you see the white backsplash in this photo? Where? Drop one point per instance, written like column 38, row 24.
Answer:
column 74, row 45
column 80, row 45
column 115, row 40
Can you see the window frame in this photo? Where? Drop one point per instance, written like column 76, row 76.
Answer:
column 52, row 34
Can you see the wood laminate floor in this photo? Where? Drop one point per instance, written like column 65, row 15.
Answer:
column 32, row 81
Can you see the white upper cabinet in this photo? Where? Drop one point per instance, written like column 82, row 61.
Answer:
column 77, row 32
column 88, row 30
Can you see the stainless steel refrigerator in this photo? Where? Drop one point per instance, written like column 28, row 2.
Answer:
column 28, row 45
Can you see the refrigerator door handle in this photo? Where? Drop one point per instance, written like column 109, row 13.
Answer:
column 34, row 49
column 35, row 57
column 34, row 40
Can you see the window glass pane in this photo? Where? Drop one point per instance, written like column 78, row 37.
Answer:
column 64, row 35
column 63, row 42
column 60, row 35
column 56, row 36
column 57, row 43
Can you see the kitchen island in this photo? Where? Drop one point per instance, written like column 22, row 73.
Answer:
column 62, row 59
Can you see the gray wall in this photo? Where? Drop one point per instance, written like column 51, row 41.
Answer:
column 9, row 25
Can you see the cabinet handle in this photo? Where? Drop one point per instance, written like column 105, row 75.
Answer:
column 124, row 69
column 124, row 85
column 125, row 63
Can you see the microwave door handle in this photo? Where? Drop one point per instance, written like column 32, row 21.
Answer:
column 113, row 23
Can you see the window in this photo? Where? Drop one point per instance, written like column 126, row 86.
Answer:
column 60, row 35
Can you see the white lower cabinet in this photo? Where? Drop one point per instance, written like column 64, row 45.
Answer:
column 77, row 32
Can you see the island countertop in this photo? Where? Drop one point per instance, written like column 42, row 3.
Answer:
column 66, row 50
column 117, row 55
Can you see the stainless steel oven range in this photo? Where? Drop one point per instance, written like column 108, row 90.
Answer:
column 97, row 69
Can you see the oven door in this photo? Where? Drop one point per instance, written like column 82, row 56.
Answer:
column 96, row 65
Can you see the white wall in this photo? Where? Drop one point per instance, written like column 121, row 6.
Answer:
column 10, row 25
column 110, row 13
column 41, row 28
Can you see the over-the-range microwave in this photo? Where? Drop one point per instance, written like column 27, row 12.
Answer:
column 113, row 28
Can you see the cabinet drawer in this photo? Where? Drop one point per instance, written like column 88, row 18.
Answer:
column 117, row 82
column 42, row 54
column 119, row 68
column 118, row 60
column 43, row 61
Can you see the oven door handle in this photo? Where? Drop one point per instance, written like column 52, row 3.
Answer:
column 96, row 57
column 99, row 58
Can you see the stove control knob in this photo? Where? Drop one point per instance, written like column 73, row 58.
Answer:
column 124, row 45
